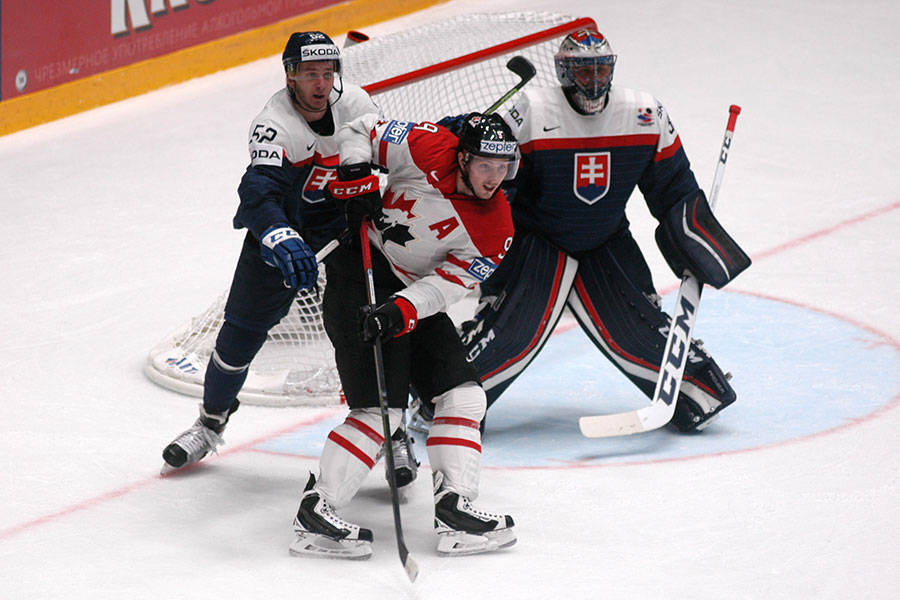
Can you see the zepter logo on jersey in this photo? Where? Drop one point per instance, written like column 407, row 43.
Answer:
column 591, row 178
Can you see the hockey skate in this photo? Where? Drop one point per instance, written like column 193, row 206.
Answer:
column 406, row 467
column 420, row 415
column 463, row 529
column 204, row 436
column 321, row 533
column 696, row 414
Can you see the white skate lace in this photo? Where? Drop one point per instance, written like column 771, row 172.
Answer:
column 335, row 519
column 467, row 506
column 199, row 439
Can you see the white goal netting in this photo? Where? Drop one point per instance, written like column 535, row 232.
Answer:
column 444, row 68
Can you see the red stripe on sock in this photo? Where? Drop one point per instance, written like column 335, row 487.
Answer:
column 365, row 429
column 349, row 447
column 450, row 441
column 455, row 421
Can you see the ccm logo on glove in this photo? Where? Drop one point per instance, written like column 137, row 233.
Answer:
column 344, row 191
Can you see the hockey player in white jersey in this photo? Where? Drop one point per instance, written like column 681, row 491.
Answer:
column 283, row 205
column 586, row 145
column 442, row 228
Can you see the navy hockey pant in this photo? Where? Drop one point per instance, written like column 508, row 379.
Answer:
column 606, row 289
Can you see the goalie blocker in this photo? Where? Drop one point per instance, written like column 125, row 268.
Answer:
column 607, row 291
column 690, row 237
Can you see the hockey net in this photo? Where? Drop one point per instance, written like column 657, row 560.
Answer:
column 443, row 68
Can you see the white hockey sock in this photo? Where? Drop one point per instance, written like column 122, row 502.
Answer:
column 454, row 439
column 349, row 454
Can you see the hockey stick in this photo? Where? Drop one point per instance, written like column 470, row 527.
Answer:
column 522, row 67
column 668, row 384
column 412, row 569
column 325, row 250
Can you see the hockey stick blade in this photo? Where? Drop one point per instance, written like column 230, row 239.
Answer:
column 522, row 67
column 678, row 342
column 662, row 408
column 409, row 564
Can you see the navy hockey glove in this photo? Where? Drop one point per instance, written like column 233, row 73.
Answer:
column 392, row 319
column 690, row 237
column 283, row 247
column 356, row 194
column 453, row 122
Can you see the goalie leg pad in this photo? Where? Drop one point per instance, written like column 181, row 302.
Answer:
column 350, row 452
column 512, row 327
column 631, row 332
column 690, row 237
column 454, row 439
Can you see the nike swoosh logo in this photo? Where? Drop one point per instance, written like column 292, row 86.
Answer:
column 310, row 146
column 551, row 128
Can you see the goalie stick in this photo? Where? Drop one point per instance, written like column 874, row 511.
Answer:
column 409, row 564
column 668, row 383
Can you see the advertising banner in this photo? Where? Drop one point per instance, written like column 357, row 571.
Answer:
column 44, row 43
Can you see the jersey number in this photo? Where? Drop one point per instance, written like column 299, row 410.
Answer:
column 263, row 135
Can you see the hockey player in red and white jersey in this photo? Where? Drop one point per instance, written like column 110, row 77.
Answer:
column 586, row 145
column 439, row 231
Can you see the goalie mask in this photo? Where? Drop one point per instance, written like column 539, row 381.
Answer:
column 584, row 67
column 488, row 136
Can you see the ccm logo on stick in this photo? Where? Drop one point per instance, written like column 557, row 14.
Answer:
column 674, row 361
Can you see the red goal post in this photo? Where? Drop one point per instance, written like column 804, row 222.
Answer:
column 443, row 68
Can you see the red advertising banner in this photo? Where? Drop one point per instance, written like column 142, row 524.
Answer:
column 44, row 43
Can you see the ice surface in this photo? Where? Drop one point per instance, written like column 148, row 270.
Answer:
column 116, row 229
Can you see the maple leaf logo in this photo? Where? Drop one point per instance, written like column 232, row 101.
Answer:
column 395, row 228
column 398, row 234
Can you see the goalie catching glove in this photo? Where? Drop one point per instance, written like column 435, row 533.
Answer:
column 357, row 194
column 691, row 238
column 392, row 319
column 282, row 247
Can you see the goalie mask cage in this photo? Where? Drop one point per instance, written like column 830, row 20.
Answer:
column 443, row 68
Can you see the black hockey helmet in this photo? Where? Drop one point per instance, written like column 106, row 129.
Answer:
column 488, row 136
column 305, row 46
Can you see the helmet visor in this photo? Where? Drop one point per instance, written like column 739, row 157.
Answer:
column 295, row 70
column 501, row 168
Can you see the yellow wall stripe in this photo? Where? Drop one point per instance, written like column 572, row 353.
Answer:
column 117, row 84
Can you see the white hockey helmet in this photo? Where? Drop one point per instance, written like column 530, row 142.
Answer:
column 584, row 66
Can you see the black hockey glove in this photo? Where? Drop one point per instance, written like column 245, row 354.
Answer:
column 392, row 319
column 690, row 237
column 357, row 195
